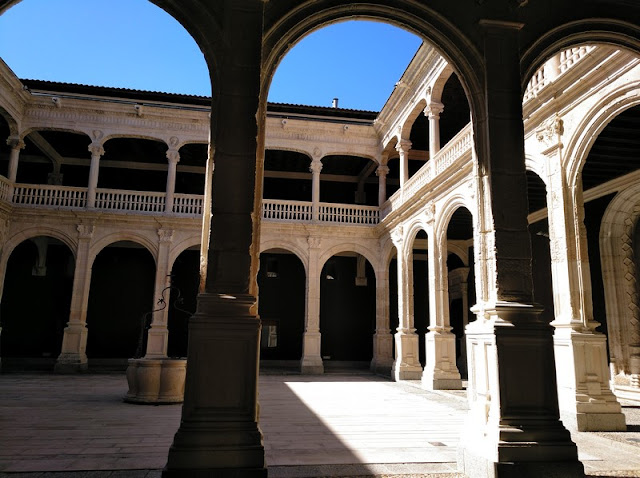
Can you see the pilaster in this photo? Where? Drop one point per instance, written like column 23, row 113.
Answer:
column 73, row 357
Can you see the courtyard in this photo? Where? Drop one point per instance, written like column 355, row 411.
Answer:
column 327, row 425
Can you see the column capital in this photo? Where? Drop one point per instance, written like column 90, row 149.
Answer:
column 316, row 166
column 382, row 170
column 85, row 231
column 15, row 142
column 165, row 235
column 403, row 146
column 433, row 110
column 397, row 236
column 96, row 149
column 173, row 155
column 314, row 242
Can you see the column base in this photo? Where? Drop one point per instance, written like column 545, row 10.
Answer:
column 441, row 372
column 71, row 363
column 585, row 398
column 406, row 366
column 311, row 366
column 474, row 465
column 219, row 433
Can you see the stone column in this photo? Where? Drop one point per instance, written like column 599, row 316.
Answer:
column 97, row 151
column 382, row 172
column 158, row 335
column 73, row 357
column 173, row 156
column 16, row 144
column 514, row 428
column 219, row 434
column 585, row 397
column 403, row 147
column 406, row 365
column 311, row 362
column 440, row 372
column 433, row 111
column 382, row 339
column 315, row 168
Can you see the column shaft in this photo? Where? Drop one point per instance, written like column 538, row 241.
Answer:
column 219, row 434
column 94, row 169
column 315, row 168
column 382, row 172
column 173, row 157
column 440, row 371
column 73, row 357
column 158, row 335
column 403, row 147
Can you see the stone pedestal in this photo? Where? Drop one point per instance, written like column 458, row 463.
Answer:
column 156, row 381
column 585, row 398
column 407, row 364
column 382, row 353
column 513, row 428
column 219, row 434
column 73, row 358
column 440, row 371
column 311, row 362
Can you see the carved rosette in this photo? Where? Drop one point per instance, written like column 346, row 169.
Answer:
column 314, row 242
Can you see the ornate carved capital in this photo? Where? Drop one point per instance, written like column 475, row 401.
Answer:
column 96, row 149
column 382, row 170
column 165, row 235
column 316, row 166
column 433, row 110
column 430, row 212
column 551, row 131
column 14, row 142
column 314, row 242
column 403, row 146
column 397, row 236
column 85, row 231
column 173, row 156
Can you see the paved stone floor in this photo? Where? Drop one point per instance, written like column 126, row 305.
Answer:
column 332, row 425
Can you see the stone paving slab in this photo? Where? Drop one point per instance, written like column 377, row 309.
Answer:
column 54, row 426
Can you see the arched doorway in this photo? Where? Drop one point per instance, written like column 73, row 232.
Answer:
column 35, row 303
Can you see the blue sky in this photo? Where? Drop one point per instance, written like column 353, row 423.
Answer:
column 134, row 44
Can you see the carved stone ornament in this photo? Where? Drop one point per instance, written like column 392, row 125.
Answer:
column 315, row 166
column 314, row 242
column 551, row 131
column 14, row 142
column 97, row 134
column 403, row 146
column 382, row 170
column 85, row 231
column 429, row 212
column 173, row 155
column 165, row 235
column 397, row 236
column 96, row 149
column 173, row 142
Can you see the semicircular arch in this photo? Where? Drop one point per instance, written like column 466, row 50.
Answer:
column 140, row 239
column 288, row 246
column 364, row 251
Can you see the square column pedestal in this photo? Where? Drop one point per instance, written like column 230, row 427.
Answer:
column 407, row 364
column 513, row 428
column 440, row 371
column 586, row 400
column 311, row 363
column 219, row 434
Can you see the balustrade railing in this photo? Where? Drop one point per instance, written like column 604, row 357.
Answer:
column 45, row 195
column 189, row 204
column 5, row 188
column 459, row 145
column 348, row 214
column 123, row 200
column 279, row 210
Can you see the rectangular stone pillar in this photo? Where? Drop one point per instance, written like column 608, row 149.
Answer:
column 382, row 339
column 158, row 334
column 219, row 434
column 513, row 428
